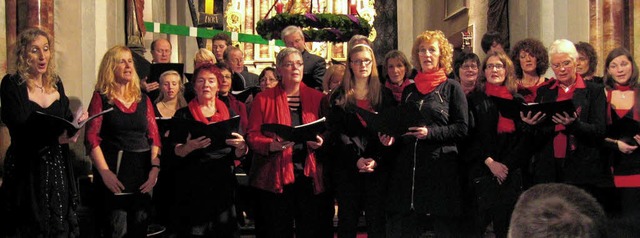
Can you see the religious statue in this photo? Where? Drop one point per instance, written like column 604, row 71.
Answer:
column 135, row 25
column 299, row 6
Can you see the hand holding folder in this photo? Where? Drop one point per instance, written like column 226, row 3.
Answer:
column 218, row 132
column 512, row 108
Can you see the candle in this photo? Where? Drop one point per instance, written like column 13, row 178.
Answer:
column 208, row 6
column 353, row 10
column 279, row 7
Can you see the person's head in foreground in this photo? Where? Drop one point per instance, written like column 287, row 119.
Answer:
column 557, row 210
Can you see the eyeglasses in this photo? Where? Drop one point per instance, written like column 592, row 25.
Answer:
column 424, row 51
column 469, row 66
column 291, row 64
column 564, row 64
column 494, row 66
column 361, row 62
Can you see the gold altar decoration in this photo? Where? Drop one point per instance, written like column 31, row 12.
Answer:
column 242, row 15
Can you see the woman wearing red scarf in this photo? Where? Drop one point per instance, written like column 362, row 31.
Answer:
column 496, row 147
column 567, row 149
column 398, row 68
column 206, row 183
column 287, row 176
column 425, row 179
column 360, row 165
column 623, row 109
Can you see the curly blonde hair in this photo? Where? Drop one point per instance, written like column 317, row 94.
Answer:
column 106, row 84
column 23, row 64
column 446, row 50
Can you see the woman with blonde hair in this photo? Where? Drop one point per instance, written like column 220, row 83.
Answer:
column 123, row 145
column 38, row 195
column 359, row 179
column 203, row 56
column 425, row 175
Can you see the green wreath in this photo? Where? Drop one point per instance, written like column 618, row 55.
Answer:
column 316, row 27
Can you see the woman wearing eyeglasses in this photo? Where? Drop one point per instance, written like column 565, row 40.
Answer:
column 359, row 168
column 567, row 149
column 531, row 61
column 621, row 82
column 497, row 147
column 425, row 181
column 288, row 177
column 465, row 69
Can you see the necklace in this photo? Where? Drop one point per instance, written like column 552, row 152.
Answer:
column 38, row 86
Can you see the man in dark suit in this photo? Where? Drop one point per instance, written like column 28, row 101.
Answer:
column 314, row 66
column 242, row 78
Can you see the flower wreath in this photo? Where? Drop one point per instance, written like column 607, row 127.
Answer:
column 316, row 27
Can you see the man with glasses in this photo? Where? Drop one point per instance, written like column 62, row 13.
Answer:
column 314, row 66
column 242, row 78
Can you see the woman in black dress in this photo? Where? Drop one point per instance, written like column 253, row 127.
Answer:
column 496, row 148
column 205, row 183
column 359, row 173
column 39, row 195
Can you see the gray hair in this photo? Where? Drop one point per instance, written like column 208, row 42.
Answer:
column 563, row 46
column 290, row 30
column 284, row 53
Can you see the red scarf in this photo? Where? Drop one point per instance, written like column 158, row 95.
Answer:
column 427, row 82
column 561, row 141
column 222, row 112
column 505, row 125
column 397, row 89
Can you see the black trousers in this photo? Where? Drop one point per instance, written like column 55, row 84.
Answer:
column 276, row 214
column 357, row 192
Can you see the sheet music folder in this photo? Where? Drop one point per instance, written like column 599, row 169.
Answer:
column 393, row 121
column 59, row 123
column 218, row 132
column 297, row 134
column 511, row 108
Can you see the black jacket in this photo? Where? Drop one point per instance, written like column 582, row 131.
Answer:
column 582, row 165
column 434, row 187
column 350, row 140
column 314, row 69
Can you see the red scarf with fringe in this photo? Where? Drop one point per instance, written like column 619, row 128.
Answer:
column 427, row 82
column 505, row 125
column 222, row 112
column 397, row 89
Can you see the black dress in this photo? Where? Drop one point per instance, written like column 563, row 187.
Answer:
column 204, row 188
column 38, row 197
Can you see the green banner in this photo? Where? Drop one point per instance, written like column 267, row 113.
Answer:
column 205, row 33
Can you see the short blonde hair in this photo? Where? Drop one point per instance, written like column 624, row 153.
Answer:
column 446, row 50
column 203, row 55
column 106, row 84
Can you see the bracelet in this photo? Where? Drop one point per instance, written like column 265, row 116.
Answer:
column 155, row 166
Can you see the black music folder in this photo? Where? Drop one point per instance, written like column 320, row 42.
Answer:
column 218, row 132
column 143, row 66
column 157, row 70
column 393, row 121
column 58, row 123
column 297, row 134
column 244, row 94
column 628, row 128
column 512, row 108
